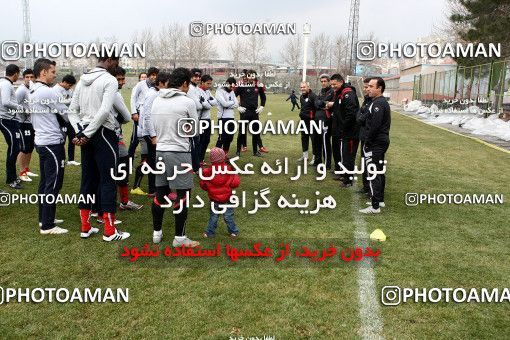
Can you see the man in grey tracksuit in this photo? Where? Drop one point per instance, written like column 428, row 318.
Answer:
column 208, row 102
column 137, row 97
column 227, row 102
column 146, row 127
column 9, row 123
column 48, row 118
column 26, row 128
column 64, row 91
column 122, row 116
column 194, row 93
column 90, row 114
column 174, row 147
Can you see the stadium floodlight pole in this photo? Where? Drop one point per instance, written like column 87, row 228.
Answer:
column 307, row 28
column 27, row 31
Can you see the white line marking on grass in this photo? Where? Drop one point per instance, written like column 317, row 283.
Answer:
column 369, row 312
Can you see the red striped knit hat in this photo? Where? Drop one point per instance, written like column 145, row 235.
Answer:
column 217, row 155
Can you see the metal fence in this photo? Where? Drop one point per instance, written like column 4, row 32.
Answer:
column 484, row 85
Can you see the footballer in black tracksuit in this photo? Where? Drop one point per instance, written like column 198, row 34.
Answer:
column 345, row 132
column 248, row 98
column 362, row 116
column 307, row 114
column 293, row 99
column 323, row 141
column 376, row 134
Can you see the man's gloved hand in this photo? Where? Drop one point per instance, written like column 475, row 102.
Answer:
column 241, row 109
column 259, row 109
column 80, row 139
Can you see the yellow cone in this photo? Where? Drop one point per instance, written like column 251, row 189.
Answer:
column 378, row 235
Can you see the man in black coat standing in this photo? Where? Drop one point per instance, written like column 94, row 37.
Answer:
column 323, row 115
column 307, row 114
column 345, row 135
column 376, row 134
column 362, row 117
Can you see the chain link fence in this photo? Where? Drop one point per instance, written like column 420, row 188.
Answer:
column 485, row 85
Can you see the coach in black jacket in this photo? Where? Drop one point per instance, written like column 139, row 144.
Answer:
column 323, row 141
column 307, row 114
column 249, row 91
column 345, row 134
column 362, row 117
column 376, row 134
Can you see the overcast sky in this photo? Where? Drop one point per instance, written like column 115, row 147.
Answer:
column 82, row 21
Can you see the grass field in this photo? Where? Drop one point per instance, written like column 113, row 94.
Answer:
column 427, row 246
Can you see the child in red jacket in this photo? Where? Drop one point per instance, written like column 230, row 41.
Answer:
column 219, row 189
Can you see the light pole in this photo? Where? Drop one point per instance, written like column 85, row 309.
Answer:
column 307, row 28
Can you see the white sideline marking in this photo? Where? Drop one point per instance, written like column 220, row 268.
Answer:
column 369, row 312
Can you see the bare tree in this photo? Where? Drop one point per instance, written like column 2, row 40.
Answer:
column 320, row 47
column 237, row 51
column 292, row 52
column 145, row 37
column 197, row 50
column 171, row 41
column 162, row 48
column 339, row 53
column 255, row 47
column 446, row 28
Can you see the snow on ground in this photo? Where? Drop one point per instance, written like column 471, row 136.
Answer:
column 471, row 118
